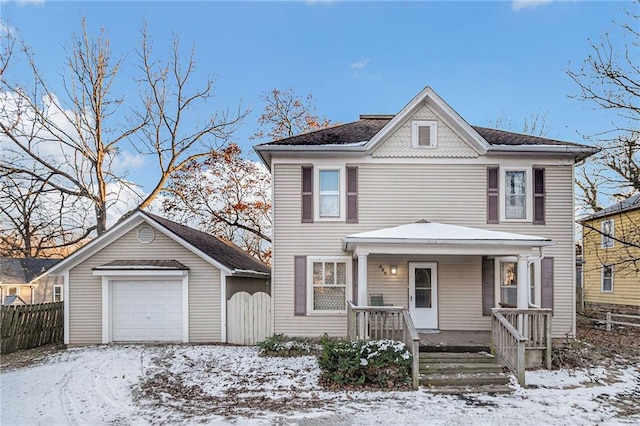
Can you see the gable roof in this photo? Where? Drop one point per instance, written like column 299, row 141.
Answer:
column 630, row 204
column 222, row 254
column 24, row 270
column 225, row 252
column 370, row 130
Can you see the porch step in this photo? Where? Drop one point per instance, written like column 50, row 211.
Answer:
column 456, row 357
column 462, row 372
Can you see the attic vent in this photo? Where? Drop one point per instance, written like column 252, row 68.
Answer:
column 146, row 234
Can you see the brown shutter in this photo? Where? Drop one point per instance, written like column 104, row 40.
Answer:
column 492, row 195
column 300, row 285
column 488, row 285
column 352, row 195
column 547, row 283
column 538, row 197
column 307, row 194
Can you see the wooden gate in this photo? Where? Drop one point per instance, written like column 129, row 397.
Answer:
column 248, row 318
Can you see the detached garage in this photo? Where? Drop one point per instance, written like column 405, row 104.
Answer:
column 149, row 279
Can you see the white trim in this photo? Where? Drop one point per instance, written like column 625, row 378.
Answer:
column 185, row 308
column 342, row 197
column 140, row 273
column 348, row 287
column 106, row 310
column 415, row 133
column 66, row 307
column 53, row 293
column 502, row 193
column 107, row 299
column 602, row 290
column 223, row 307
column 442, row 249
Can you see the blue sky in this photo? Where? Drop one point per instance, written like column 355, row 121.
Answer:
column 486, row 59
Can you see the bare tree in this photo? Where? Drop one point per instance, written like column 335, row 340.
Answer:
column 225, row 195
column 533, row 124
column 70, row 142
column 609, row 79
column 287, row 114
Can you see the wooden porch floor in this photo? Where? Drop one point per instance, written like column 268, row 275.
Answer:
column 451, row 338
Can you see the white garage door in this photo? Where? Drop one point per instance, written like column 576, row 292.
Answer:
column 147, row 311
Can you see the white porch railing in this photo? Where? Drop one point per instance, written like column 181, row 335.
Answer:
column 385, row 322
column 516, row 330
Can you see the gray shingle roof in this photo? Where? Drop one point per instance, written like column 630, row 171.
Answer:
column 631, row 203
column 367, row 127
column 224, row 252
column 24, row 270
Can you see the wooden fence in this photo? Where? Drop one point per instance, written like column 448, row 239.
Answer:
column 29, row 326
column 248, row 318
column 609, row 320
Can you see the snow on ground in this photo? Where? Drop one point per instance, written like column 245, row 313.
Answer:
column 186, row 384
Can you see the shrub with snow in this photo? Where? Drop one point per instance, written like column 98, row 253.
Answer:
column 379, row 363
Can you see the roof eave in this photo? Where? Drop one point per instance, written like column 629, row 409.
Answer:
column 396, row 241
column 265, row 152
column 578, row 152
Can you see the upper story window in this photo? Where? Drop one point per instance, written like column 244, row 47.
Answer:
column 607, row 229
column 424, row 133
column 607, row 279
column 329, row 193
column 515, row 185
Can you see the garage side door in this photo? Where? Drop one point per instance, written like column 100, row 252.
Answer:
column 147, row 311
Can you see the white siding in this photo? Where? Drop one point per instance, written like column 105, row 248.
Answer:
column 392, row 193
column 85, row 290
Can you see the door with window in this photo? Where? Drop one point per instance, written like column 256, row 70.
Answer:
column 423, row 294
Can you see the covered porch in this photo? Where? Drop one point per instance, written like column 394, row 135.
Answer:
column 443, row 282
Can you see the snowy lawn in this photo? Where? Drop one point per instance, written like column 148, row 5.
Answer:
column 186, row 384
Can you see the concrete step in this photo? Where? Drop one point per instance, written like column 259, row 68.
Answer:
column 464, row 379
column 453, row 349
column 460, row 367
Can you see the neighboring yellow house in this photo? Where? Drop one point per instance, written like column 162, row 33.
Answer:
column 611, row 253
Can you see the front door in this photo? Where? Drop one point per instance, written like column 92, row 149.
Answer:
column 423, row 294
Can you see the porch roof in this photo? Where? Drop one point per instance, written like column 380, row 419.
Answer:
column 441, row 238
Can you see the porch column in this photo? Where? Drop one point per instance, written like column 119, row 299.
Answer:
column 522, row 292
column 522, row 283
column 362, row 279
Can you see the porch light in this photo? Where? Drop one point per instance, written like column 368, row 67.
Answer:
column 394, row 269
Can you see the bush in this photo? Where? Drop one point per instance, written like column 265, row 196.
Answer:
column 380, row 363
column 284, row 346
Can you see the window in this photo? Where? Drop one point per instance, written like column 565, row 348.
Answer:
column 12, row 291
column 329, row 193
column 515, row 194
column 424, row 133
column 508, row 283
column 607, row 229
column 607, row 279
column 329, row 280
column 57, row 293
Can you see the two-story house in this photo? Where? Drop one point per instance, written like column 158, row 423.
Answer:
column 421, row 210
column 611, row 277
